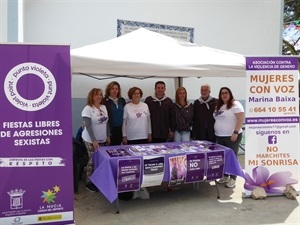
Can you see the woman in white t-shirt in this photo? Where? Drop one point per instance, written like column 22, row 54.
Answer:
column 96, row 132
column 229, row 117
column 136, row 127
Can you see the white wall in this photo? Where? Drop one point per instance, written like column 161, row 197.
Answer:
column 81, row 87
column 242, row 26
column 3, row 19
column 237, row 86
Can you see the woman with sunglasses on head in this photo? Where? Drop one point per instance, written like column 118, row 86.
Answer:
column 229, row 118
column 115, row 107
column 96, row 130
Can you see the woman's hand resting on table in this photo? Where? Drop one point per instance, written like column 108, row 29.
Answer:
column 95, row 144
column 124, row 141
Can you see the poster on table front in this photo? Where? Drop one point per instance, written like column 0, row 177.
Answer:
column 272, row 124
column 177, row 168
column 195, row 167
column 36, row 166
column 153, row 170
column 215, row 161
column 128, row 175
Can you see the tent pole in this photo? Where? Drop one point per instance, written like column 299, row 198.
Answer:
column 178, row 82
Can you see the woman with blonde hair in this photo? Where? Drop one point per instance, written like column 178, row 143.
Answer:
column 96, row 130
column 183, row 116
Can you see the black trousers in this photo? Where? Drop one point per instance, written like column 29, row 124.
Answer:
column 139, row 141
column 116, row 136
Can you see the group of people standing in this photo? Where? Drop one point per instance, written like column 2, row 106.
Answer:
column 109, row 120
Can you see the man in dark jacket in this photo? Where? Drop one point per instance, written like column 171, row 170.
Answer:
column 162, row 114
column 203, row 123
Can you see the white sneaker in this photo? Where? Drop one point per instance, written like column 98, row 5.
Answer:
column 231, row 183
column 224, row 180
column 142, row 194
column 136, row 194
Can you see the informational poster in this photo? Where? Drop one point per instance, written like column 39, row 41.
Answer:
column 272, row 124
column 215, row 161
column 183, row 33
column 177, row 169
column 117, row 152
column 36, row 163
column 129, row 173
column 195, row 167
column 153, row 170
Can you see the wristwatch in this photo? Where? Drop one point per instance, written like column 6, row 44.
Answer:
column 235, row 132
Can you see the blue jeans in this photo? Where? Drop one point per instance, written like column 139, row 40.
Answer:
column 182, row 136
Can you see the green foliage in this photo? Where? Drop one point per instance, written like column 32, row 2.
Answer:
column 291, row 15
column 291, row 10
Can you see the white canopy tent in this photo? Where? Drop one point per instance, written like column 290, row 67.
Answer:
column 143, row 53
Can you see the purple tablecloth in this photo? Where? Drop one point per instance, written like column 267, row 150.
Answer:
column 105, row 173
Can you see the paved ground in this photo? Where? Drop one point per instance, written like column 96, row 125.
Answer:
column 185, row 206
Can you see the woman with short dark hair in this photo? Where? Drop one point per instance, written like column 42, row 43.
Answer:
column 136, row 119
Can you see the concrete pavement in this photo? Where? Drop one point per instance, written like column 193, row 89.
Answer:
column 185, row 206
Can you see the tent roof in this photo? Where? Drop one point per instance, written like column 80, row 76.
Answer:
column 144, row 53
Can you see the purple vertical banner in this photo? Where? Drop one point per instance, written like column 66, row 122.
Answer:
column 129, row 173
column 215, row 161
column 195, row 167
column 272, row 124
column 36, row 165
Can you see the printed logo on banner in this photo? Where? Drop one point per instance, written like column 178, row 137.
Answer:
column 16, row 203
column 49, row 197
column 29, row 68
column 272, row 139
column 50, row 217
column 16, row 198
column 32, row 162
column 17, row 219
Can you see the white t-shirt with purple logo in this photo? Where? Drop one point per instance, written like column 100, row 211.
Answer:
column 226, row 119
column 136, row 121
column 99, row 119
